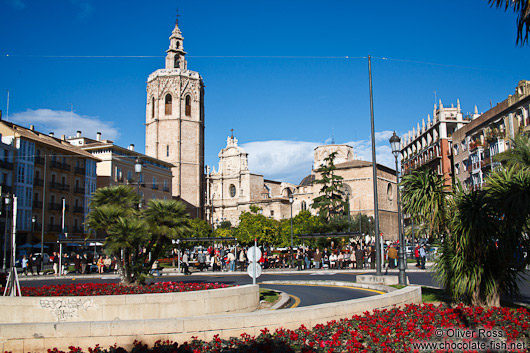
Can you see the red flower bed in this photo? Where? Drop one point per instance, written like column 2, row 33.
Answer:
column 392, row 330
column 115, row 289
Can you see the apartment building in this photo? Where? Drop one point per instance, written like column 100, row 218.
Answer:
column 488, row 134
column 48, row 170
column 430, row 145
column 116, row 166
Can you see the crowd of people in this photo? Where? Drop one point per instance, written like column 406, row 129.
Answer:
column 85, row 263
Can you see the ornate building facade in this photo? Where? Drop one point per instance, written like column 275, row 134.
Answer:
column 232, row 189
column 174, row 129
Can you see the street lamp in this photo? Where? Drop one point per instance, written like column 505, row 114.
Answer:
column 395, row 143
column 33, row 220
column 138, row 165
column 291, row 200
column 7, row 201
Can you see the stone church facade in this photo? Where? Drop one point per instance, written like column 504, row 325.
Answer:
column 232, row 189
column 174, row 123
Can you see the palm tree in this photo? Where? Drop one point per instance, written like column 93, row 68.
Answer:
column 127, row 234
column 518, row 155
column 483, row 257
column 424, row 198
column 167, row 220
column 522, row 8
column 121, row 196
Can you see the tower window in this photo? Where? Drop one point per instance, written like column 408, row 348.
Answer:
column 169, row 104
column 232, row 190
column 188, row 105
column 153, row 107
column 176, row 63
column 178, row 45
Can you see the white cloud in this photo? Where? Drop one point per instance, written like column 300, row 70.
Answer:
column 291, row 161
column 65, row 123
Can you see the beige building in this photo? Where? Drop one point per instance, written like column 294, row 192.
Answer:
column 174, row 129
column 489, row 134
column 233, row 188
column 117, row 167
column 49, row 170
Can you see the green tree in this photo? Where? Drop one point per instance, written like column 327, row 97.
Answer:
column 303, row 223
column 424, row 197
column 252, row 225
column 483, row 257
column 522, row 9
column 199, row 228
column 330, row 201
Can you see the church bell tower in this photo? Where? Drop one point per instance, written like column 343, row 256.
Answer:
column 174, row 123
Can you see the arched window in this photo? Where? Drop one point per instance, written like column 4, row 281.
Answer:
column 188, row 105
column 176, row 64
column 169, row 104
column 232, row 190
column 304, row 206
column 389, row 193
column 153, row 107
column 178, row 45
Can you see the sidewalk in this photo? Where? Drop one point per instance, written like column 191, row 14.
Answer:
column 174, row 272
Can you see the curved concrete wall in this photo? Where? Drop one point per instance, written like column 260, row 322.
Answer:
column 39, row 337
column 130, row 306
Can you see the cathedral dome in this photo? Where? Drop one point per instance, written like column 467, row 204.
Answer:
column 308, row 180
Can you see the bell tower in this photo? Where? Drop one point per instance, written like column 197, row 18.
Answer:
column 174, row 123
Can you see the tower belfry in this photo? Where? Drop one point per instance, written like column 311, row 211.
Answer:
column 174, row 129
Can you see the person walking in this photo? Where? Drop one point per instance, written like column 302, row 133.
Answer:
column 31, row 264
column 392, row 256
column 38, row 264
column 84, row 264
column 359, row 257
column 317, row 257
column 417, row 255
column 232, row 261
column 106, row 264
column 55, row 263
column 24, row 263
column 100, row 265
column 186, row 263
column 423, row 256
column 201, row 257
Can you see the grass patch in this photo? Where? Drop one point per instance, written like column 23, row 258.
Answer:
column 268, row 295
column 434, row 295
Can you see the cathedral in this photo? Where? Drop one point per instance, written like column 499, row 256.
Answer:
column 174, row 133
column 174, row 123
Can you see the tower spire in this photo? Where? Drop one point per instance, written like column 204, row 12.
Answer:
column 175, row 54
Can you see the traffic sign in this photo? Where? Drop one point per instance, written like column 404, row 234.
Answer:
column 254, row 254
column 250, row 269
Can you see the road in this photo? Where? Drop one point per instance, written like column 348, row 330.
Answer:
column 308, row 295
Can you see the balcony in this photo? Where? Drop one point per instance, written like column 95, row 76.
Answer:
column 57, row 186
column 6, row 164
column 66, row 167
column 79, row 209
column 54, row 228
column 56, row 206
column 79, row 190
column 38, row 182
column 37, row 203
column 39, row 160
column 474, row 145
column 79, row 170
column 59, row 165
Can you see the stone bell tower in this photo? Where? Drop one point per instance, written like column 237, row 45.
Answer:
column 174, row 123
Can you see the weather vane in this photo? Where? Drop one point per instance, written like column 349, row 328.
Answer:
column 178, row 15
column 232, row 130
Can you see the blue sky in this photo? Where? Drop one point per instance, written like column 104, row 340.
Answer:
column 280, row 108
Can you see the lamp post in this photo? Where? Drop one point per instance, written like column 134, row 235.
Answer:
column 33, row 220
column 7, row 202
column 291, row 200
column 395, row 143
column 138, row 165
column 348, row 204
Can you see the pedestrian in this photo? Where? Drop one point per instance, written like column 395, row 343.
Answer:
column 100, row 265
column 65, row 263
column 107, row 263
column 84, row 264
column 186, row 263
column 359, row 257
column 77, row 264
column 31, row 264
column 372, row 257
column 55, row 261
column 38, row 264
column 317, row 257
column 24, row 263
column 307, row 260
column 155, row 268
column 417, row 255
column 242, row 259
column 423, row 256
column 392, row 256
column 340, row 260
column 232, row 261
column 201, row 257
